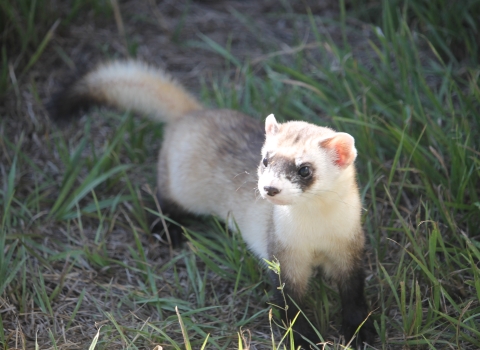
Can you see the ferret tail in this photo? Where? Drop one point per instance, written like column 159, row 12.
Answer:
column 125, row 85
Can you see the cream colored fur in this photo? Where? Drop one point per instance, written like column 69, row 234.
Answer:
column 320, row 226
column 136, row 86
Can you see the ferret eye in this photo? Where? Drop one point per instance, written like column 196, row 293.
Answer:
column 304, row 171
column 265, row 161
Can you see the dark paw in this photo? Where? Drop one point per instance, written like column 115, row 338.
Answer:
column 303, row 334
column 300, row 339
column 174, row 236
column 366, row 334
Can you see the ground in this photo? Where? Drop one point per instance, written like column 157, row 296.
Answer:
column 79, row 255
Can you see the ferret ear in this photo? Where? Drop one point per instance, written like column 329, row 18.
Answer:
column 343, row 146
column 271, row 125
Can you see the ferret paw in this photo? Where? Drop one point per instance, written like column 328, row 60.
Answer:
column 366, row 334
column 175, row 233
column 299, row 339
column 304, row 335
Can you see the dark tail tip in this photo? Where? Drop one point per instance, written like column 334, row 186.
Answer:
column 68, row 101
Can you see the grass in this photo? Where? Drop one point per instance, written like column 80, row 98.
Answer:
column 451, row 27
column 27, row 28
column 81, row 268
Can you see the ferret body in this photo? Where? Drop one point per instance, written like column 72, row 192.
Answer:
column 289, row 187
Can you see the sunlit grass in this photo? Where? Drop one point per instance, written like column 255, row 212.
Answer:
column 79, row 255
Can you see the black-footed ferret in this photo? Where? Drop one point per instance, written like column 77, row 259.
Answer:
column 216, row 161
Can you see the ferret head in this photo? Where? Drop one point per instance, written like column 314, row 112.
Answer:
column 302, row 161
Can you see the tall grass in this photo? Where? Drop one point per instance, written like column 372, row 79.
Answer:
column 27, row 27
column 80, row 265
column 415, row 116
column 451, row 26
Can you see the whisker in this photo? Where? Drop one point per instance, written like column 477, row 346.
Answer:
column 257, row 194
column 239, row 187
column 242, row 173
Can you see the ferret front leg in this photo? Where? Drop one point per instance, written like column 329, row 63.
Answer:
column 174, row 212
column 295, row 272
column 354, row 307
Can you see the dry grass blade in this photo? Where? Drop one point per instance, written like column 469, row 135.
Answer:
column 95, row 340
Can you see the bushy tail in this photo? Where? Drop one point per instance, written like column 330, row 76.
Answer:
column 125, row 85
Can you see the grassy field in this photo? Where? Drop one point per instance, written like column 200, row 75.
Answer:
column 81, row 267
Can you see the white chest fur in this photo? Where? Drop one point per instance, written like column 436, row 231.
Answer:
column 317, row 227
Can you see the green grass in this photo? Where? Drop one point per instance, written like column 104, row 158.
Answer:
column 27, row 27
column 450, row 26
column 79, row 265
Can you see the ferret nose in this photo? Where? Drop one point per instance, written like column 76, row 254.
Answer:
column 271, row 191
